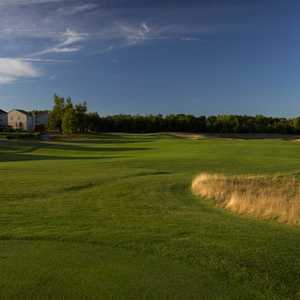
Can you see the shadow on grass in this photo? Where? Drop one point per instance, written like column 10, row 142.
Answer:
column 27, row 147
column 150, row 173
column 78, row 148
column 106, row 138
column 32, row 157
column 24, row 150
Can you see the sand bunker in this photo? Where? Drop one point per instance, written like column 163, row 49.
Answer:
column 193, row 136
column 266, row 197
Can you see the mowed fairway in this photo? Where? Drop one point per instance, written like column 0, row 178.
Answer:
column 113, row 217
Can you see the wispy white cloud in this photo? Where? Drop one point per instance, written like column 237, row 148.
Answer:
column 27, row 2
column 145, row 27
column 36, row 34
column 60, row 50
column 126, row 35
column 187, row 38
column 66, row 44
column 70, row 11
column 135, row 33
column 71, row 36
column 42, row 30
column 43, row 60
column 138, row 33
column 14, row 69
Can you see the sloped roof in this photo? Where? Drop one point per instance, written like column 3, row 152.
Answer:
column 2, row 111
column 21, row 111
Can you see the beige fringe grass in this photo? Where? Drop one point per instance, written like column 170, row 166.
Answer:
column 266, row 197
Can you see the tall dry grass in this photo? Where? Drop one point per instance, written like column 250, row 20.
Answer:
column 267, row 197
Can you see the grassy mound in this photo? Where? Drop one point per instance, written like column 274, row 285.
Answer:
column 267, row 197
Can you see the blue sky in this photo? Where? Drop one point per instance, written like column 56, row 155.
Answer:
column 146, row 56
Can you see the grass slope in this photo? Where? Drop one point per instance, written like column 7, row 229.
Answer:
column 113, row 217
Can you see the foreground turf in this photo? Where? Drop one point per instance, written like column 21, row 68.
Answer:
column 113, row 217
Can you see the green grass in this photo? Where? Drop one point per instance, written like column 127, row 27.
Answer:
column 113, row 217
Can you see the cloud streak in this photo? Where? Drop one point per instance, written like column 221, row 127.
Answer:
column 127, row 35
column 27, row 2
column 68, row 39
column 71, row 11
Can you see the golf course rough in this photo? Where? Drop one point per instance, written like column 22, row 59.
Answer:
column 274, row 197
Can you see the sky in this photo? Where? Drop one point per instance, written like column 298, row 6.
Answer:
column 148, row 57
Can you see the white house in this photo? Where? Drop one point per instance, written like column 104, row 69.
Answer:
column 21, row 119
column 3, row 119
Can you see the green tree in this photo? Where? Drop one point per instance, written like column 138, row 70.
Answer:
column 57, row 113
column 69, row 118
column 81, row 117
column 296, row 124
column 93, row 121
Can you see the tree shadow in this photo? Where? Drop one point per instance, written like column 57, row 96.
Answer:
column 24, row 151
column 105, row 138
column 79, row 148
column 32, row 157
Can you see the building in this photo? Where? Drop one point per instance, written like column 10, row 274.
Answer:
column 41, row 118
column 20, row 119
column 3, row 119
column 23, row 120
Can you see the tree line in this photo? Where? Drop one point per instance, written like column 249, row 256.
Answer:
column 68, row 118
